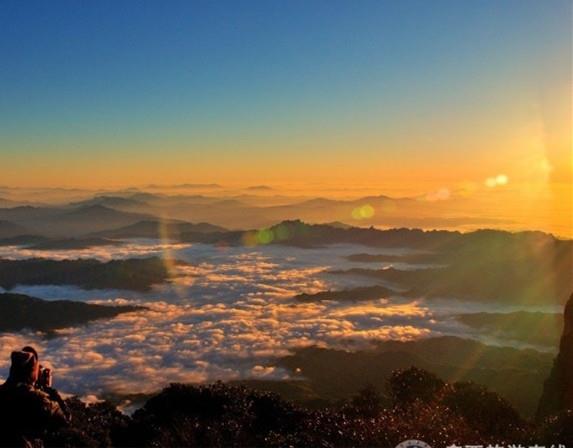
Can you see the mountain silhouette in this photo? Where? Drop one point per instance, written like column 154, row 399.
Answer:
column 558, row 391
column 135, row 274
column 23, row 240
column 9, row 229
column 153, row 228
column 19, row 311
column 73, row 243
column 89, row 219
column 111, row 201
column 66, row 222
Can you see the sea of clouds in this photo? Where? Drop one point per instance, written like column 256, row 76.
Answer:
column 227, row 314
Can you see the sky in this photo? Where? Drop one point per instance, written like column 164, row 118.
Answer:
column 412, row 94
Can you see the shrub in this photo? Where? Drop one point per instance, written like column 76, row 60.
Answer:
column 406, row 386
column 485, row 411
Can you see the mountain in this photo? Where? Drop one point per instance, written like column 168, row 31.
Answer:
column 232, row 415
column 9, row 229
column 73, row 243
column 28, row 213
column 333, row 374
column 23, row 240
column 117, row 202
column 97, row 212
column 184, row 186
column 517, row 326
column 259, row 209
column 339, row 225
column 380, row 210
column 37, row 242
column 19, row 312
column 145, row 197
column 301, row 234
column 8, row 203
column 63, row 222
column 558, row 390
column 89, row 219
column 136, row 274
column 259, row 188
column 170, row 229
column 491, row 265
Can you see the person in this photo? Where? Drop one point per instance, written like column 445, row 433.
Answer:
column 29, row 405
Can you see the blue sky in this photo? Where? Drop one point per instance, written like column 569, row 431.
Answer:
column 82, row 78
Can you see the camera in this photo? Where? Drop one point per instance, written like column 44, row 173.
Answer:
column 45, row 377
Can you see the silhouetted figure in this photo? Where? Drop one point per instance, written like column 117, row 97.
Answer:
column 29, row 406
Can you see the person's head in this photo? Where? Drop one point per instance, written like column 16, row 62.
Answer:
column 25, row 367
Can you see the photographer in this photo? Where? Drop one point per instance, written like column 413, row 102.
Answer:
column 29, row 406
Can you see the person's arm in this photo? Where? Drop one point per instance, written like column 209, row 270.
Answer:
column 54, row 408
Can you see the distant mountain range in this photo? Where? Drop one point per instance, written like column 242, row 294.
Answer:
column 89, row 219
column 171, row 230
column 257, row 207
column 525, row 267
column 67, row 222
column 72, row 243
column 111, row 201
column 9, row 229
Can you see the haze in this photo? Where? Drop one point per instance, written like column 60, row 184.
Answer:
column 373, row 97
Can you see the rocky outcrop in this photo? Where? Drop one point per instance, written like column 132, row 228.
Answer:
column 558, row 391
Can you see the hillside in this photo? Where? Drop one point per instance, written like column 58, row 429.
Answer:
column 64, row 222
column 9, row 229
column 558, row 389
column 169, row 229
column 337, row 374
column 219, row 415
column 117, row 202
column 73, row 243
column 486, row 265
column 518, row 326
column 137, row 274
column 19, row 312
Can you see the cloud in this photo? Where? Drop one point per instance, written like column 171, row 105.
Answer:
column 228, row 315
column 130, row 249
column 173, row 342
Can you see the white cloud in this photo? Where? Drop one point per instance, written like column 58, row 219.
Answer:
column 228, row 316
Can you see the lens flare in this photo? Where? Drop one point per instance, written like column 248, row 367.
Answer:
column 365, row 211
column 265, row 236
column 496, row 181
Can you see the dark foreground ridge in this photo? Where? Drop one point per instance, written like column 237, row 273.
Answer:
column 421, row 407
column 558, row 390
column 413, row 404
column 19, row 312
